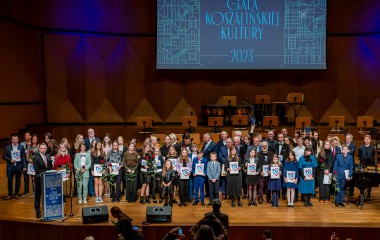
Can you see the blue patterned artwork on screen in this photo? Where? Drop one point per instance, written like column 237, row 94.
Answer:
column 241, row 34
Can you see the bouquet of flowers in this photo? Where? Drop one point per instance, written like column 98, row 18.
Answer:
column 79, row 174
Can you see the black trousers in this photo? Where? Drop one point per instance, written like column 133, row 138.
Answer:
column 183, row 190
column 37, row 194
column 116, row 188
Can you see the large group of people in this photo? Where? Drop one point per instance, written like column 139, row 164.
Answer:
column 236, row 167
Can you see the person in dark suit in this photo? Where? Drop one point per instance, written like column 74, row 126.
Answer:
column 90, row 138
column 223, row 139
column 14, row 155
column 213, row 174
column 282, row 150
column 209, row 146
column 41, row 163
column 223, row 218
column 350, row 144
column 342, row 163
column 222, row 158
column 271, row 141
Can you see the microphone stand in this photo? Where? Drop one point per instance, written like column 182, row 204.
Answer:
column 71, row 214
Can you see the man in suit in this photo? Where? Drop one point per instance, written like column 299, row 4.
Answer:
column 41, row 163
column 223, row 155
column 90, row 138
column 282, row 150
column 223, row 218
column 213, row 174
column 209, row 146
column 271, row 141
column 14, row 155
column 26, row 144
column 350, row 144
column 343, row 162
column 265, row 159
column 223, row 139
column 238, row 146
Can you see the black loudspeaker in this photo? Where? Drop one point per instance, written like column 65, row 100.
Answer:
column 158, row 214
column 96, row 214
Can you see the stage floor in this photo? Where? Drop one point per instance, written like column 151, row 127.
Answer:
column 320, row 215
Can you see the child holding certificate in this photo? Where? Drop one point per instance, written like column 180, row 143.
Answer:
column 234, row 178
column 159, row 162
column 173, row 157
column 198, row 170
column 274, row 184
column 167, row 182
column 307, row 166
column 291, row 175
column 253, row 178
column 184, row 170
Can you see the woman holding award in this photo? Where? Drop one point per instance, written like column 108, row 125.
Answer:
column 234, row 177
column 307, row 166
column 115, row 161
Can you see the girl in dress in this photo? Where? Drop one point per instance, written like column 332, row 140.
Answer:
column 234, row 181
column 32, row 150
column 274, row 184
column 107, row 147
column 145, row 173
column 325, row 167
column 130, row 161
column 173, row 156
column 252, row 180
column 291, row 165
column 82, row 164
column 183, row 161
column 97, row 156
column 307, row 166
column 62, row 161
column 167, row 182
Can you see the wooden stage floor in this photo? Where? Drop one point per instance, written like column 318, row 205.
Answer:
column 326, row 217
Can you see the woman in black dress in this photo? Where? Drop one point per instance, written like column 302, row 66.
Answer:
column 234, row 181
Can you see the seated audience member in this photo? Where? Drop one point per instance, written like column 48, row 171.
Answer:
column 174, row 234
column 205, row 232
column 123, row 226
column 219, row 230
column 223, row 218
column 267, row 234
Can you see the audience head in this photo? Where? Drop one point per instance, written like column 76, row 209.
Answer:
column 205, row 232
column 267, row 234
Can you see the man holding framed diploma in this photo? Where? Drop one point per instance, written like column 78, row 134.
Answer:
column 265, row 158
column 307, row 165
column 14, row 155
column 343, row 169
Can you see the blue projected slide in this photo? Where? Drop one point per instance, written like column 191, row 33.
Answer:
column 241, row 34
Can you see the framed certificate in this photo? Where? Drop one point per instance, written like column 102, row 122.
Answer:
column 31, row 170
column 346, row 173
column 144, row 163
column 223, row 172
column 327, row 178
column 199, row 169
column 185, row 172
column 308, row 172
column 98, row 170
column 234, row 168
column 265, row 170
column 291, row 176
column 114, row 169
column 275, row 172
column 65, row 177
column 174, row 162
column 16, row 155
column 251, row 169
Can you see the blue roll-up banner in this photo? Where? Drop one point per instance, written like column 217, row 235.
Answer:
column 53, row 196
